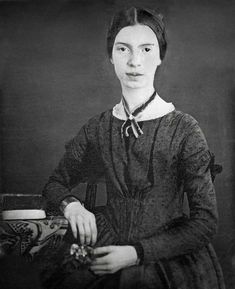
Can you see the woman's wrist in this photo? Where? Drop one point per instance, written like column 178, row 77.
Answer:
column 65, row 202
column 133, row 258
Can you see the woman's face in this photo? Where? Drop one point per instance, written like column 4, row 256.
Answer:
column 136, row 56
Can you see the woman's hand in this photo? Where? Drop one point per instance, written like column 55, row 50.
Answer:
column 82, row 222
column 113, row 258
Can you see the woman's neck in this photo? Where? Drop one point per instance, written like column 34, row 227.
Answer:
column 136, row 97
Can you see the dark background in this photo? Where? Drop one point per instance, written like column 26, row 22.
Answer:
column 55, row 75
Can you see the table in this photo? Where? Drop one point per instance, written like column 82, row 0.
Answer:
column 28, row 237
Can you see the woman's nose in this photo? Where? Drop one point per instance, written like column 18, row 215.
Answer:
column 134, row 59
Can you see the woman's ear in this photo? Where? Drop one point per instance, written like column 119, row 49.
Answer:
column 111, row 60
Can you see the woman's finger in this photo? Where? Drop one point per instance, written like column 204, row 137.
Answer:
column 87, row 228
column 100, row 273
column 73, row 226
column 81, row 231
column 100, row 261
column 99, row 267
column 103, row 250
column 93, row 231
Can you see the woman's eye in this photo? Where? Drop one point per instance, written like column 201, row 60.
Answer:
column 122, row 49
column 146, row 49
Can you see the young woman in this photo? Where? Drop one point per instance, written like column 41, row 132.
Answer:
column 150, row 154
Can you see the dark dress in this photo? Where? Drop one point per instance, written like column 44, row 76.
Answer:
column 146, row 179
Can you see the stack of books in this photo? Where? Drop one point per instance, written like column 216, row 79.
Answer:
column 22, row 206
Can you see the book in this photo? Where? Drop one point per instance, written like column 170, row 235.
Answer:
column 22, row 206
column 33, row 214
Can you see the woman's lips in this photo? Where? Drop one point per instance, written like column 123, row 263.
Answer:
column 134, row 74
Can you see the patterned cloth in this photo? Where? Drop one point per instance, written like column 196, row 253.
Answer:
column 146, row 179
column 28, row 237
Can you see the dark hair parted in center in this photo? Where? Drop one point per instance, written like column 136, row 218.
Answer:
column 133, row 16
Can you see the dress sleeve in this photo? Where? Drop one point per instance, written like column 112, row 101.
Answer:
column 195, row 231
column 74, row 168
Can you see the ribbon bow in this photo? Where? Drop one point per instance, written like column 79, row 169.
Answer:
column 131, row 121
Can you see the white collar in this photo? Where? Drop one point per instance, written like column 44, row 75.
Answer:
column 157, row 108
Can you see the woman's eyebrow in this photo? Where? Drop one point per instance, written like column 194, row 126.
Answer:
column 147, row 44
column 122, row 43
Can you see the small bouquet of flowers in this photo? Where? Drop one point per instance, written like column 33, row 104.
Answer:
column 83, row 254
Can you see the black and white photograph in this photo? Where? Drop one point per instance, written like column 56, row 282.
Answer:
column 117, row 144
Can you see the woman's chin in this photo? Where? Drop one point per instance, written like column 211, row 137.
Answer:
column 134, row 84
